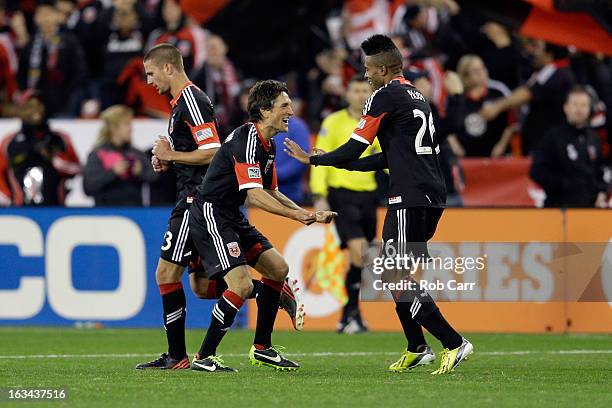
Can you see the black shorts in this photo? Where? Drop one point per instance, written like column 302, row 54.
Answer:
column 356, row 213
column 409, row 229
column 177, row 246
column 224, row 238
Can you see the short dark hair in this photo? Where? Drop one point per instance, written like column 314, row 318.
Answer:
column 262, row 96
column 165, row 54
column 579, row 89
column 383, row 47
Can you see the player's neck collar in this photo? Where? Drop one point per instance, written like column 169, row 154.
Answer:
column 400, row 78
column 263, row 141
column 174, row 100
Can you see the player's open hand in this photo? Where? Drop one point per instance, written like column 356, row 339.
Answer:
column 305, row 217
column 162, row 149
column 294, row 150
column 325, row 217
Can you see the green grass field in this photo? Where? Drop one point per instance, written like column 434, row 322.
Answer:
column 97, row 366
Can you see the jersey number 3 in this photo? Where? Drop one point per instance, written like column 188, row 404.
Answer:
column 418, row 142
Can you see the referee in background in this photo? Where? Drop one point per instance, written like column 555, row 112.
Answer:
column 351, row 194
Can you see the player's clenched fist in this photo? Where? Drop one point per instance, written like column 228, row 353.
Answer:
column 159, row 165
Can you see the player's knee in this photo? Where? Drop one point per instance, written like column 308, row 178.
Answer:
column 242, row 287
column 168, row 273
column 280, row 271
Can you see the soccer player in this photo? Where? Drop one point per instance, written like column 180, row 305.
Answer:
column 190, row 146
column 351, row 194
column 401, row 118
column 244, row 167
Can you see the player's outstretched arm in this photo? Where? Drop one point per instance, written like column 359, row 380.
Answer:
column 283, row 199
column 198, row 157
column 260, row 198
column 349, row 151
column 374, row 162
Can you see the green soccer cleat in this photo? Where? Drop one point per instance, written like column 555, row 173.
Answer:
column 410, row 360
column 449, row 359
column 272, row 358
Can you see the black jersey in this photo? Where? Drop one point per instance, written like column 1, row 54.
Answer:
column 244, row 161
column 192, row 126
column 401, row 118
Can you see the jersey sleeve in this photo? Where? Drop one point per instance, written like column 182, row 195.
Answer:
column 199, row 117
column 374, row 111
column 246, row 163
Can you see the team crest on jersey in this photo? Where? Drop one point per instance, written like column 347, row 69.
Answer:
column 204, row 134
column 234, row 249
column 254, row 173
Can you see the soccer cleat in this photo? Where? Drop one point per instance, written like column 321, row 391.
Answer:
column 290, row 302
column 272, row 358
column 165, row 362
column 211, row 364
column 410, row 360
column 449, row 359
column 354, row 326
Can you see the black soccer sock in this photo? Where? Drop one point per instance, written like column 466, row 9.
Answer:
column 223, row 316
column 267, row 308
column 419, row 305
column 437, row 325
column 412, row 330
column 352, row 284
column 173, row 300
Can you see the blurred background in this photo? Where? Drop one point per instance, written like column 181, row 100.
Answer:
column 522, row 91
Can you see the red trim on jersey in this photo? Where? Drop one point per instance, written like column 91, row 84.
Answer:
column 368, row 127
column 204, row 134
column 247, row 173
column 174, row 100
column 266, row 145
column 402, row 80
column 233, row 298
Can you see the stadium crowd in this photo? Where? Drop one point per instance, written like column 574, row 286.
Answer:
column 494, row 93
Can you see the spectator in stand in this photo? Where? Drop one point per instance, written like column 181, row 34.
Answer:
column 124, row 41
column 81, row 17
column 477, row 137
column 179, row 31
column 568, row 162
column 116, row 171
column 53, row 63
column 8, row 65
column 544, row 92
column 35, row 162
column 326, row 86
column 500, row 53
column 218, row 78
